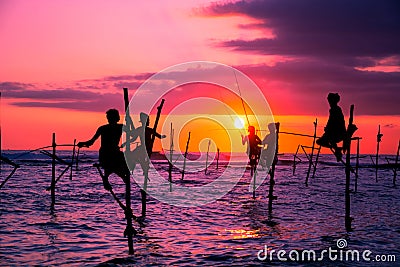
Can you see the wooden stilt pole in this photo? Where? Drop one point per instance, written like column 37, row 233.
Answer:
column 53, row 172
column 146, row 172
column 348, row 218
column 378, row 140
column 310, row 163
column 128, row 213
column 208, row 150
column 357, row 165
column 254, row 179
column 72, row 159
column 217, row 158
column 271, row 196
column 185, row 157
column 294, row 159
column 316, row 161
column 395, row 164
column 77, row 159
column 171, row 151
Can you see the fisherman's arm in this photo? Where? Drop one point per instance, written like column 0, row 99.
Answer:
column 92, row 140
column 158, row 135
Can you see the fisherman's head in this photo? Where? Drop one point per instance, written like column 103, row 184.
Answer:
column 144, row 118
column 333, row 99
column 112, row 115
column 251, row 130
column 271, row 127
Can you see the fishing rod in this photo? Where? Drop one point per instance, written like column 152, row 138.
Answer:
column 227, row 111
column 241, row 98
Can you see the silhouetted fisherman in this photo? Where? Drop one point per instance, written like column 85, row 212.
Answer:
column 335, row 129
column 142, row 153
column 111, row 157
column 253, row 146
column 269, row 141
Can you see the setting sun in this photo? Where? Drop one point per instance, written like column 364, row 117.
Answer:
column 239, row 123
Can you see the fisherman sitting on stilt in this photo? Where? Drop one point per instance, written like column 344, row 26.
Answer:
column 335, row 129
column 253, row 146
column 110, row 156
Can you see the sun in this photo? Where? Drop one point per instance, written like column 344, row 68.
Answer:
column 239, row 123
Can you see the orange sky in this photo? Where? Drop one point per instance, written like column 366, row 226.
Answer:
column 67, row 61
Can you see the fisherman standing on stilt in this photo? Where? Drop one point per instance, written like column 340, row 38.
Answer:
column 269, row 141
column 253, row 147
column 111, row 157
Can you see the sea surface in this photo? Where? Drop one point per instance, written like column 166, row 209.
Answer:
column 86, row 226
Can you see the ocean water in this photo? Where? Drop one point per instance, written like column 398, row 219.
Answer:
column 86, row 226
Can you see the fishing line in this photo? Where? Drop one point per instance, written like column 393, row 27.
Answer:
column 241, row 98
column 228, row 112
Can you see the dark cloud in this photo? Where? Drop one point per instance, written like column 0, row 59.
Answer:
column 300, row 87
column 320, row 28
column 60, row 94
column 99, row 103
column 14, row 86
column 328, row 44
column 68, row 98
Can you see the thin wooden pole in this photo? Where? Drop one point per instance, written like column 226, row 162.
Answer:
column 357, row 165
column 208, row 150
column 271, row 196
column 53, row 171
column 128, row 213
column 316, row 161
column 294, row 159
column 185, row 157
column 348, row 218
column 378, row 140
column 146, row 173
column 72, row 159
column 171, row 151
column 77, row 159
column 254, row 179
column 217, row 158
column 395, row 164
column 312, row 152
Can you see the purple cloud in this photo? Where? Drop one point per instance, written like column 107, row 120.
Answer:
column 319, row 28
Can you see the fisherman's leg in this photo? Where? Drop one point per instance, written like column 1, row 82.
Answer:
column 336, row 150
column 106, row 183
column 323, row 141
